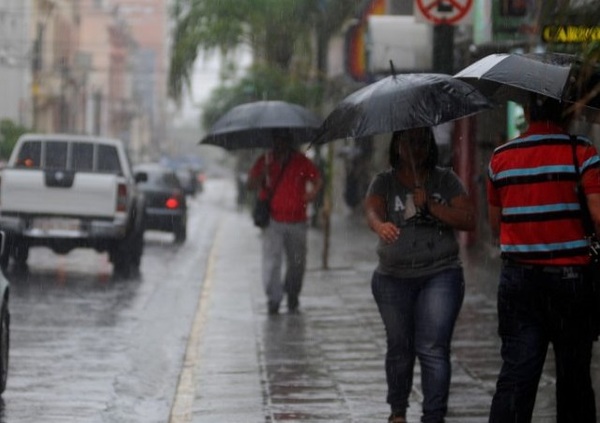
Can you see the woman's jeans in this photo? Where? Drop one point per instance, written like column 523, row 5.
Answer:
column 419, row 316
column 538, row 305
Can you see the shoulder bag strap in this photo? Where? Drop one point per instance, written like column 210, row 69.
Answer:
column 585, row 213
column 271, row 192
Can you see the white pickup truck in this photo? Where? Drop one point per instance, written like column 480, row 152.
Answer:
column 69, row 191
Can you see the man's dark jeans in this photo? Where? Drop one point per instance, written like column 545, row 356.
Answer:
column 538, row 305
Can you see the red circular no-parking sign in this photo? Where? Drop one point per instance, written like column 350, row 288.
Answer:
column 444, row 11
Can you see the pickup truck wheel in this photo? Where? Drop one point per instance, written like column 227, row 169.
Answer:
column 4, row 345
column 127, row 254
column 6, row 253
column 137, row 248
column 20, row 252
column 4, row 260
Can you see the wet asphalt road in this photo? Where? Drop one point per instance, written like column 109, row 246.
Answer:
column 87, row 348
column 190, row 341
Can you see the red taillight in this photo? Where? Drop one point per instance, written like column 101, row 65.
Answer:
column 172, row 203
column 122, row 198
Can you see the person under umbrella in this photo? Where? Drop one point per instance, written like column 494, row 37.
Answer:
column 414, row 207
column 291, row 181
column 545, row 294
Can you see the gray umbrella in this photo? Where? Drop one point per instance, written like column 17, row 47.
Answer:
column 399, row 102
column 251, row 125
column 564, row 77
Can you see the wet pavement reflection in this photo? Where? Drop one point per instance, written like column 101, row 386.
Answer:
column 327, row 363
column 88, row 348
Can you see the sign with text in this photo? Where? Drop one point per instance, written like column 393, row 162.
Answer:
column 440, row 12
column 570, row 34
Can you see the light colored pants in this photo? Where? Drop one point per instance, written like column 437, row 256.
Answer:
column 281, row 238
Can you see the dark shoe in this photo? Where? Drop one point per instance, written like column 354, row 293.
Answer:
column 293, row 310
column 396, row 418
column 273, row 308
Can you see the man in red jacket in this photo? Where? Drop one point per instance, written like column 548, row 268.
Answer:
column 292, row 181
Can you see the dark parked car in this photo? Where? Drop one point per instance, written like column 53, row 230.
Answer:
column 189, row 170
column 166, row 208
column 187, row 178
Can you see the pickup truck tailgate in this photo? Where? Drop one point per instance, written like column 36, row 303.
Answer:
column 91, row 194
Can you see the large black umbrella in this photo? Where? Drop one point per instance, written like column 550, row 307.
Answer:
column 564, row 77
column 399, row 102
column 251, row 125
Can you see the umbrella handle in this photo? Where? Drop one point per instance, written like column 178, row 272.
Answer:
column 414, row 169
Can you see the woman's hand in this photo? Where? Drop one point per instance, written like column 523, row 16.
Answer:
column 387, row 231
column 375, row 211
column 420, row 198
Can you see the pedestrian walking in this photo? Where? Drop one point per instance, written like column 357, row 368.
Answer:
column 545, row 292
column 291, row 181
column 415, row 208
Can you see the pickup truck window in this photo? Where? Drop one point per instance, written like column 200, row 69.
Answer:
column 82, row 157
column 108, row 160
column 30, row 155
column 56, row 155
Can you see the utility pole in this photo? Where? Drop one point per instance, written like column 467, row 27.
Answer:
column 443, row 48
column 327, row 165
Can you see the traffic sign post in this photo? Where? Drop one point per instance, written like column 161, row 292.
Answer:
column 443, row 48
column 444, row 15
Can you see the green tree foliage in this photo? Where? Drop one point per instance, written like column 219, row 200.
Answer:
column 281, row 35
column 9, row 133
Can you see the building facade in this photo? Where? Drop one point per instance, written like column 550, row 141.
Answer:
column 14, row 64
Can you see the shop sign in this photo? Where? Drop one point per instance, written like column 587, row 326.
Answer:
column 570, row 33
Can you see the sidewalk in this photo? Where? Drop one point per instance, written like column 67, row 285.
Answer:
column 326, row 364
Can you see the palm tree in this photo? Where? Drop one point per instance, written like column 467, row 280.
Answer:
column 279, row 33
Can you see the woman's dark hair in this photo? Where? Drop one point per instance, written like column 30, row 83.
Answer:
column 432, row 149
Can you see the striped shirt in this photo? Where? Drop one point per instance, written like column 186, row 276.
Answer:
column 532, row 179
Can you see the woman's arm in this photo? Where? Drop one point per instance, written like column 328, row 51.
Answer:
column 459, row 213
column 375, row 211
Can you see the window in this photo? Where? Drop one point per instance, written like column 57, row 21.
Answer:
column 170, row 179
column 82, row 157
column 108, row 160
column 56, row 155
column 30, row 154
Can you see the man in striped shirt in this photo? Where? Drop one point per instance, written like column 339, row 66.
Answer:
column 545, row 293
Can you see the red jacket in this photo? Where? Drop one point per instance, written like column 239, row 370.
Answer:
column 288, row 201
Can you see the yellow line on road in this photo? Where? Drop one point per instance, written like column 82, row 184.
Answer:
column 181, row 411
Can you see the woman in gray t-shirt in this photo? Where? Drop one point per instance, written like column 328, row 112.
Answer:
column 415, row 208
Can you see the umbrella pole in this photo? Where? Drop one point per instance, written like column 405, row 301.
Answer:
column 414, row 169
